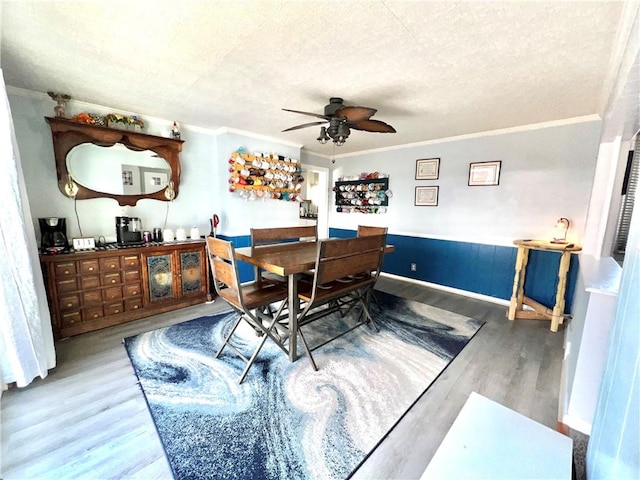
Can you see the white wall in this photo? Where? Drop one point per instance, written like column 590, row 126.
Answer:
column 547, row 172
column 203, row 183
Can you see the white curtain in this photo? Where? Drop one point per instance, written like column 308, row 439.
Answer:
column 26, row 338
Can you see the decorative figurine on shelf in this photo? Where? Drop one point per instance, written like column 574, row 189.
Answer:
column 175, row 131
column 62, row 100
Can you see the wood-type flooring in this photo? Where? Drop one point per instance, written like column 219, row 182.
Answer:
column 88, row 419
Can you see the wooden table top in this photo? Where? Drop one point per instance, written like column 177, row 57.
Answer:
column 545, row 245
column 285, row 258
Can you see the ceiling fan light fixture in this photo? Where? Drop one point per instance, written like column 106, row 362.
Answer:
column 342, row 134
column 323, row 138
column 341, row 119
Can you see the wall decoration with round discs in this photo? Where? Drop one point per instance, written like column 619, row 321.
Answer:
column 364, row 193
column 266, row 176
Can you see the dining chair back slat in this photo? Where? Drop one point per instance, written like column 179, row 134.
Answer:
column 270, row 236
column 365, row 231
column 266, row 236
column 346, row 257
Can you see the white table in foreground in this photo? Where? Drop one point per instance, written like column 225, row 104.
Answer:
column 490, row 441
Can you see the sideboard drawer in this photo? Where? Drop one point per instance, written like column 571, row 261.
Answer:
column 110, row 264
column 69, row 302
column 112, row 293
column 89, row 266
column 130, row 261
column 131, row 276
column 90, row 281
column 93, row 312
column 65, row 269
column 111, row 278
column 113, row 308
column 70, row 285
column 71, row 318
column 132, row 304
column 93, row 296
column 132, row 290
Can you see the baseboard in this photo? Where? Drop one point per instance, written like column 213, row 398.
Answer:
column 577, row 424
column 457, row 291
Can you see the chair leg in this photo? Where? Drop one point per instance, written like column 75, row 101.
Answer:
column 375, row 300
column 252, row 359
column 306, row 348
column 226, row 340
column 365, row 308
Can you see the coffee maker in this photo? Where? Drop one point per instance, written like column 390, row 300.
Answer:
column 129, row 231
column 54, row 234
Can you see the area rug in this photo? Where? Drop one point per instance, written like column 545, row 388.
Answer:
column 287, row 421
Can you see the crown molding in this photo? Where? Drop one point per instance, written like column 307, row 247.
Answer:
column 470, row 136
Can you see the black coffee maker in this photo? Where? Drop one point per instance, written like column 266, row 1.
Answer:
column 54, row 234
column 129, row 231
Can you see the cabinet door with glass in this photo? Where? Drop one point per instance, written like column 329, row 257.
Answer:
column 160, row 271
column 176, row 274
column 192, row 278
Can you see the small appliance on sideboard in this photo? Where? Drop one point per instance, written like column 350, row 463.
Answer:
column 54, row 234
column 129, row 231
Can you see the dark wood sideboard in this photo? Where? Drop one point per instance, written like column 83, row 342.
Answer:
column 90, row 290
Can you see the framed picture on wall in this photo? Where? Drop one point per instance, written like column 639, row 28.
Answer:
column 426, row 196
column 484, row 173
column 427, row 169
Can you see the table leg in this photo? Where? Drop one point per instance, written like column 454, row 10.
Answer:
column 293, row 317
column 518, row 283
column 558, row 310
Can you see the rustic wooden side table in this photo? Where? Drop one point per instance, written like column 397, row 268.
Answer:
column 518, row 298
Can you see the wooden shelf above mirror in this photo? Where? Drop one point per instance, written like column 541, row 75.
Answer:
column 68, row 134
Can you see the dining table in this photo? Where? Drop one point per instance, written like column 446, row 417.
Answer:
column 290, row 260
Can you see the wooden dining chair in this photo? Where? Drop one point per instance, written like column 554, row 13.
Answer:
column 365, row 231
column 252, row 302
column 261, row 237
column 328, row 292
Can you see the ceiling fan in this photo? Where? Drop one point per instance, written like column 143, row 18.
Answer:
column 341, row 120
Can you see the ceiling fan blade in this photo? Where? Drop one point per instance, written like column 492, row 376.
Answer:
column 372, row 126
column 307, row 113
column 355, row 114
column 305, row 125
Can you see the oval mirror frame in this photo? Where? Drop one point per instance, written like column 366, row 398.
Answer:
column 67, row 134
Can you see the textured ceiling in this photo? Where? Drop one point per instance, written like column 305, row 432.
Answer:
column 432, row 69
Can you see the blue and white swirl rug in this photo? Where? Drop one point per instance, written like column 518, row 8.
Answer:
column 287, row 421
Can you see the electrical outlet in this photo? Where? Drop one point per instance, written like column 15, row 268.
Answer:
column 413, row 267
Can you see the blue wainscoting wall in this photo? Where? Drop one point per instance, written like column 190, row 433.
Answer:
column 245, row 270
column 473, row 267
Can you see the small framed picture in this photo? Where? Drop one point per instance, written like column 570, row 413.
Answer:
column 426, row 196
column 127, row 177
column 484, row 173
column 427, row 169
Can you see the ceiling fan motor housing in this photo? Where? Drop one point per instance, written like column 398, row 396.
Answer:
column 335, row 104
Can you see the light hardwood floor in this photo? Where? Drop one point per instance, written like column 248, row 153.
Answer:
column 88, row 418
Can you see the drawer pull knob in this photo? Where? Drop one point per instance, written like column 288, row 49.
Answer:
column 117, row 311
column 66, row 272
column 95, row 315
column 69, row 304
column 135, row 307
column 91, row 269
column 113, row 281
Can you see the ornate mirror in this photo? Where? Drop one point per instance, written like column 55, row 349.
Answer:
column 108, row 163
